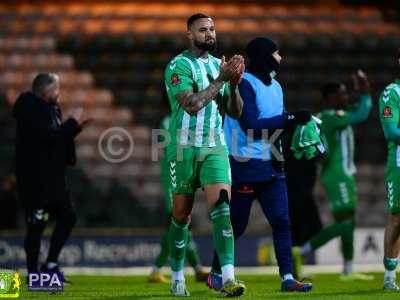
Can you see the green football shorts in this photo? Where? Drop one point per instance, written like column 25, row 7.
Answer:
column 199, row 166
column 341, row 192
column 392, row 184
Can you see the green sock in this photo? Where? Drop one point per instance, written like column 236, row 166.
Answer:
column 191, row 252
column 329, row 233
column 223, row 234
column 164, row 252
column 177, row 244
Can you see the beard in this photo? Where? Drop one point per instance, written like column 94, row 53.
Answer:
column 205, row 46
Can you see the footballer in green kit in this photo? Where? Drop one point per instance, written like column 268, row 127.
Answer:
column 389, row 112
column 338, row 168
column 200, row 87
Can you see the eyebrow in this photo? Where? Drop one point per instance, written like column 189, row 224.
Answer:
column 203, row 28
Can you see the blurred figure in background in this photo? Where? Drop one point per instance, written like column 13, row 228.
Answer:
column 191, row 251
column 44, row 148
column 389, row 113
column 338, row 168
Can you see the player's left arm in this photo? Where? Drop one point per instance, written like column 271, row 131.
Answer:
column 364, row 105
column 232, row 102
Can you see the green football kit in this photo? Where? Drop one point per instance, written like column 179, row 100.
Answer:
column 338, row 174
column 338, row 167
column 197, row 154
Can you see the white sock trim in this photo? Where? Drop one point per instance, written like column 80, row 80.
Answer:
column 287, row 276
column 228, row 273
column 390, row 275
column 179, row 275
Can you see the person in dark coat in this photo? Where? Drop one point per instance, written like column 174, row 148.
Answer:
column 301, row 176
column 44, row 148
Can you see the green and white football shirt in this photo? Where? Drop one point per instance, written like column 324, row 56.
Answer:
column 203, row 129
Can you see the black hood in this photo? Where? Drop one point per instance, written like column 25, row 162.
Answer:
column 24, row 104
column 261, row 62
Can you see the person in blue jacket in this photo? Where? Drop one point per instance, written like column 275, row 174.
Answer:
column 257, row 172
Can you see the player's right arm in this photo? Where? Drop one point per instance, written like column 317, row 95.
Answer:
column 389, row 114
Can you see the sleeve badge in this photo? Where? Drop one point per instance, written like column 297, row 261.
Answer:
column 387, row 112
column 175, row 80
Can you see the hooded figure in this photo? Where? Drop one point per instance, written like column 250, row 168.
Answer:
column 255, row 173
column 262, row 63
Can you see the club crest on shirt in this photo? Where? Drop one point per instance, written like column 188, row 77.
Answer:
column 387, row 112
column 175, row 79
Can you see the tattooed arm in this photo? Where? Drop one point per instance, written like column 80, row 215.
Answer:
column 193, row 102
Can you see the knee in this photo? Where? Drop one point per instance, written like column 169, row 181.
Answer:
column 181, row 216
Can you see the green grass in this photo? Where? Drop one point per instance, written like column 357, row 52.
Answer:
column 258, row 287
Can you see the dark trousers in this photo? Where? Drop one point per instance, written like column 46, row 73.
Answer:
column 65, row 217
column 272, row 196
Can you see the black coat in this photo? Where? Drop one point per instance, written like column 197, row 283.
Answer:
column 44, row 147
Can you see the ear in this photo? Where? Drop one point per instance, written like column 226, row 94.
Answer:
column 189, row 35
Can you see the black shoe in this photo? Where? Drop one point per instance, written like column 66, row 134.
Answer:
column 56, row 269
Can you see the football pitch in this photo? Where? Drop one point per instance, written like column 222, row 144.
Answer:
column 326, row 286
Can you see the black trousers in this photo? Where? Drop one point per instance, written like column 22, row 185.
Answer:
column 64, row 215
